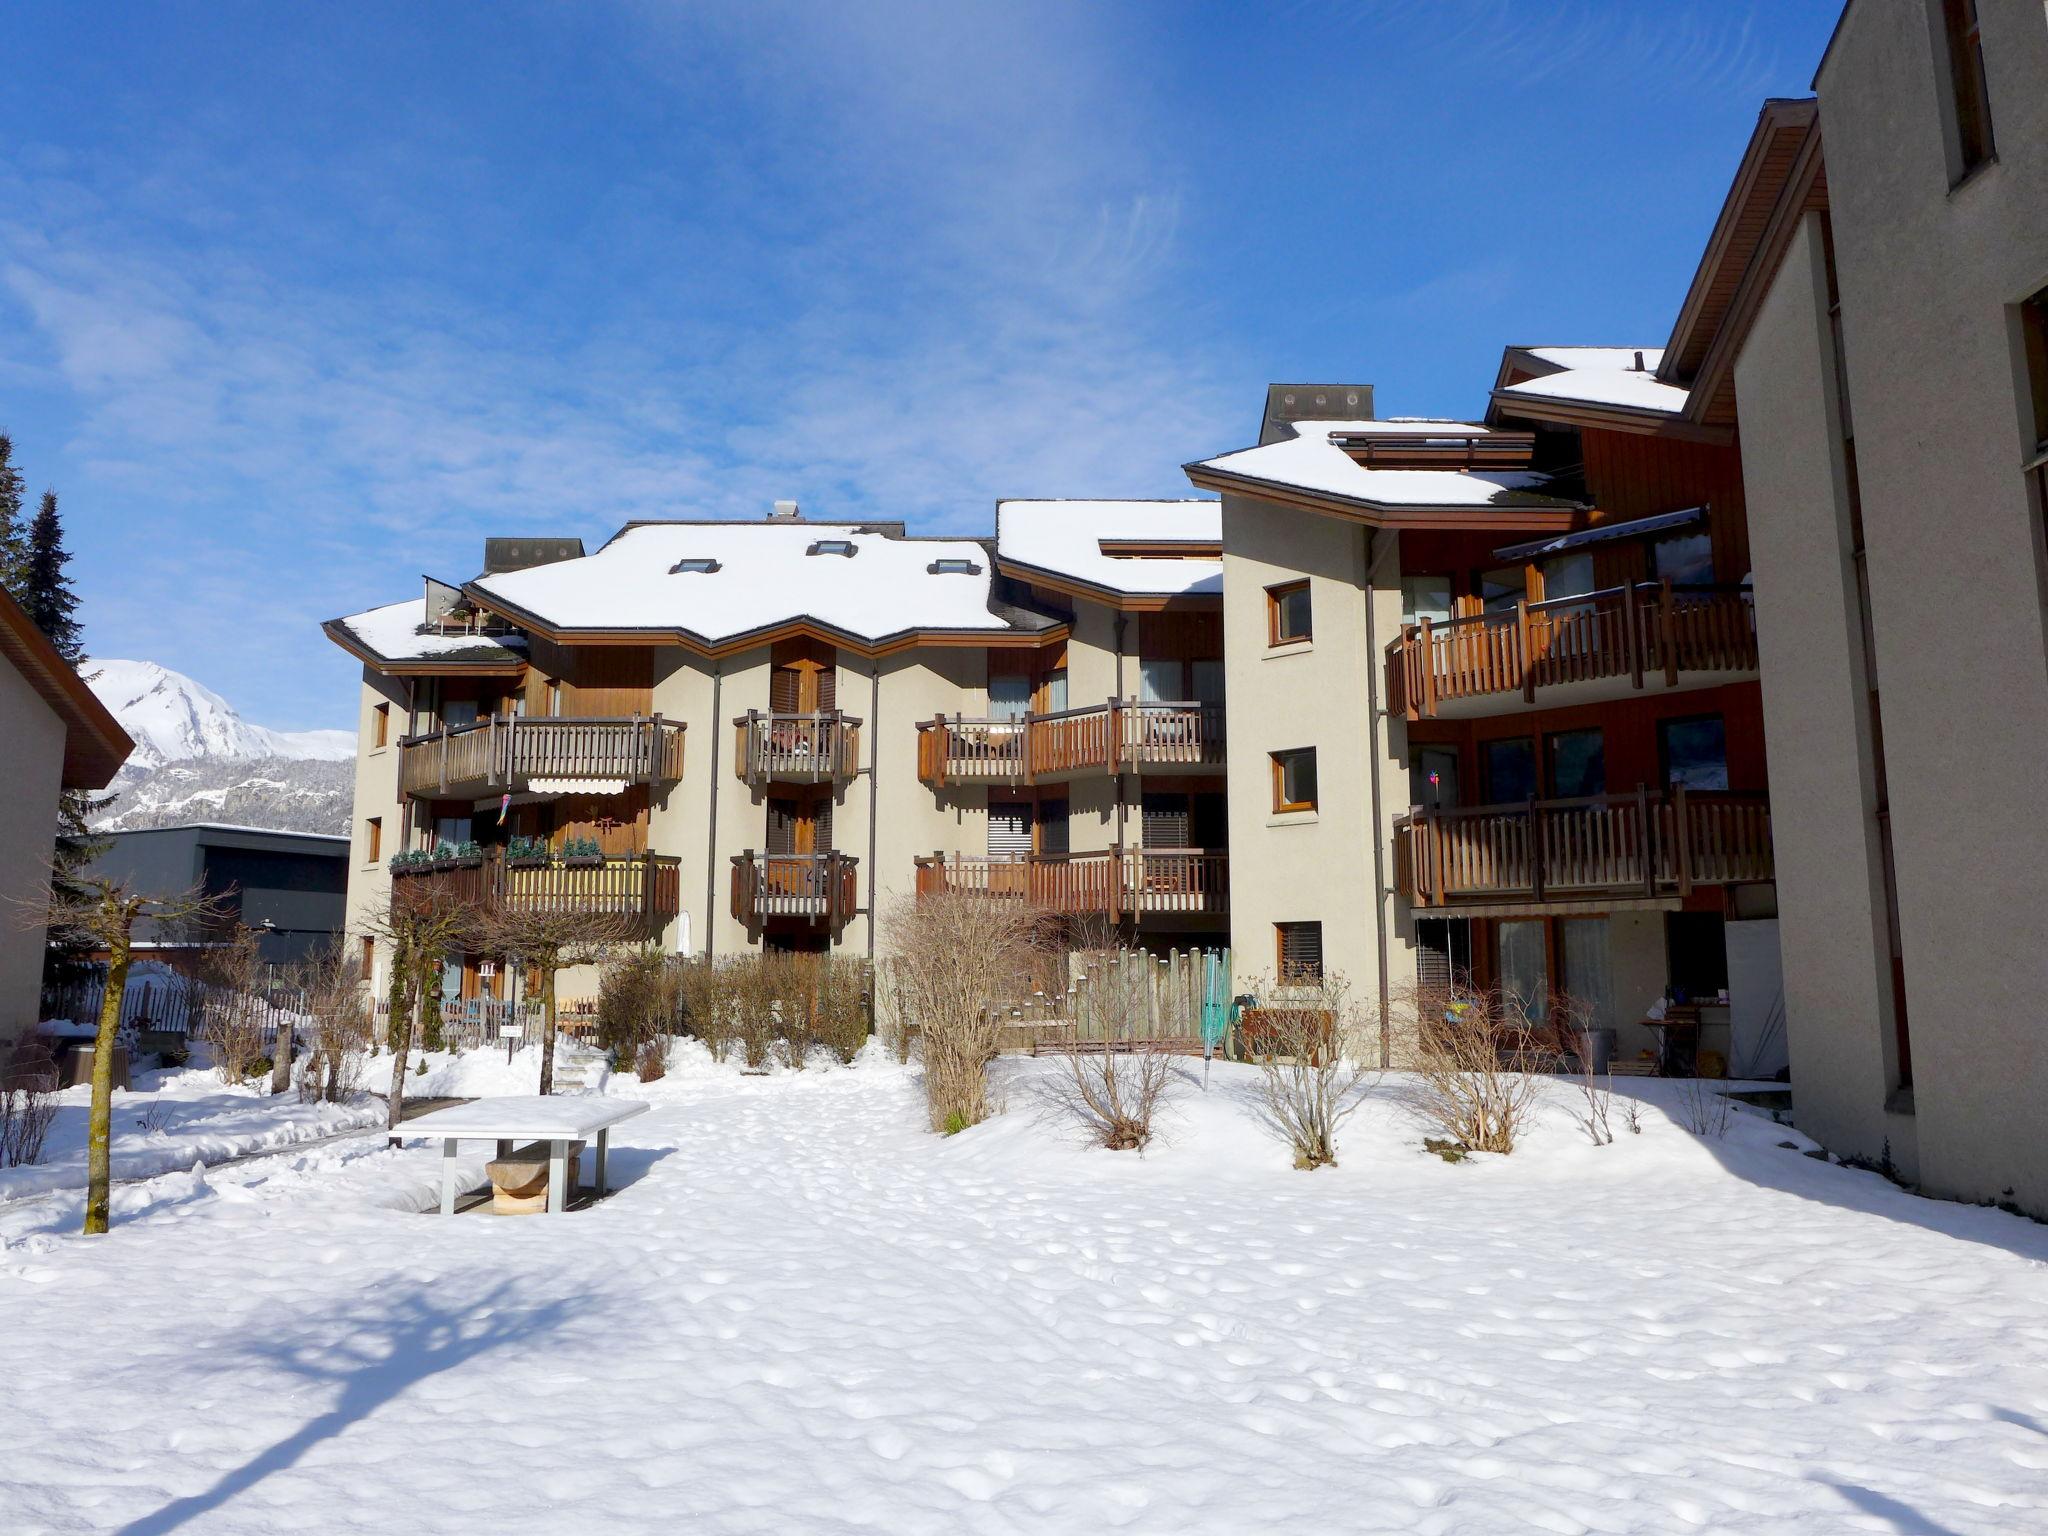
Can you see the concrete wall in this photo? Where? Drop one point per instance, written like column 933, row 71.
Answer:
column 1817, row 726
column 28, row 833
column 1930, row 278
column 369, row 879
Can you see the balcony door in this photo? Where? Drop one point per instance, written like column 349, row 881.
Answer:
column 1433, row 778
column 803, row 687
column 800, row 825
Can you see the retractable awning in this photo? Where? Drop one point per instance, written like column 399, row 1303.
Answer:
column 1600, row 534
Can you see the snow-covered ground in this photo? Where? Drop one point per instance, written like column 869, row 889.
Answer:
column 803, row 1314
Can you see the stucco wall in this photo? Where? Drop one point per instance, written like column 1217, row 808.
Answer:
column 376, row 794
column 1929, row 279
column 1830, row 892
column 28, row 832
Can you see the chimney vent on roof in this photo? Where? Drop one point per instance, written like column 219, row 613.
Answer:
column 524, row 554
column 784, row 512
column 1639, row 360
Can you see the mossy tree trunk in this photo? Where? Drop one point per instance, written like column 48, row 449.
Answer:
column 547, row 1025
column 100, row 1124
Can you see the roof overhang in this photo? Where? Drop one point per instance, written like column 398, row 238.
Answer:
column 1532, row 519
column 1612, row 418
column 95, row 745
column 1601, row 533
column 338, row 631
column 1068, row 585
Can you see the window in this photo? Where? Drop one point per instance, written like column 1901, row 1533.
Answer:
column 953, row 567
column 1294, row 780
column 1578, row 763
column 1433, row 777
column 1684, row 559
column 1969, row 104
column 694, row 567
column 1694, row 752
column 1287, row 614
column 1159, row 681
column 380, row 726
column 2034, row 331
column 1500, row 590
column 832, row 547
column 458, row 712
column 1425, row 597
column 369, row 959
column 1009, row 830
column 1525, row 966
column 1584, row 967
column 1695, row 956
column 1510, row 770
column 1009, row 696
column 1568, row 576
column 1299, row 948
column 373, row 839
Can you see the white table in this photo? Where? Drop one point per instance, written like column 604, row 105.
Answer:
column 557, row 1120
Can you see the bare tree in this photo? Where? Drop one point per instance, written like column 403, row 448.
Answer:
column 330, row 979
column 1114, row 1088
column 549, row 940
column 1317, row 1051
column 423, row 922
column 222, row 989
column 954, row 958
column 104, row 912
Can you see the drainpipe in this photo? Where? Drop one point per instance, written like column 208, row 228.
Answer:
column 1121, row 620
column 1373, row 749
column 711, row 854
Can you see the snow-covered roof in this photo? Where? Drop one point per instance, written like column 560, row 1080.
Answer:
column 393, row 633
column 1416, row 426
column 1603, row 376
column 1065, row 538
column 1310, row 461
column 765, row 577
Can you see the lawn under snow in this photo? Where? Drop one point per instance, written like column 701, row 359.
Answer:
column 803, row 1314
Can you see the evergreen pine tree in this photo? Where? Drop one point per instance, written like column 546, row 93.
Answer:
column 13, row 532
column 45, row 591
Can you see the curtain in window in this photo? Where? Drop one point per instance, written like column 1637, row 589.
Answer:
column 1009, row 696
column 1588, row 974
column 1525, row 967
column 1158, row 681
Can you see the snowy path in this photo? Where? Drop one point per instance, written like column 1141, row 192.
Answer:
column 802, row 1314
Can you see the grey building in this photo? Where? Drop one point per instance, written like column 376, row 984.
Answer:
column 291, row 886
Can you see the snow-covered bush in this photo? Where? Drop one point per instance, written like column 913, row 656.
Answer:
column 1315, row 1046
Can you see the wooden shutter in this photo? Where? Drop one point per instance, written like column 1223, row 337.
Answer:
column 828, row 687
column 784, row 689
column 1301, row 949
column 782, row 818
column 1166, row 821
column 821, row 825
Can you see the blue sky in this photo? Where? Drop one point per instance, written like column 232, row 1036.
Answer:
column 301, row 302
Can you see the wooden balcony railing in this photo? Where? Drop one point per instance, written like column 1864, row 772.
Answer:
column 796, row 749
column 1645, row 629
column 1612, row 847
column 512, row 751
column 645, row 888
column 818, row 887
column 1120, row 736
column 1114, row 882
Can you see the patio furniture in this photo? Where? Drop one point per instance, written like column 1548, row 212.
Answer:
column 559, row 1121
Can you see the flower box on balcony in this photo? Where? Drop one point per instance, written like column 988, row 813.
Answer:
column 582, row 853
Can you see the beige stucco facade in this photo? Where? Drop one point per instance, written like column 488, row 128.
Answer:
column 34, row 733
column 1931, row 277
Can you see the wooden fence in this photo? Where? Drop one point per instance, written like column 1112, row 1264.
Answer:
column 506, row 752
column 1124, row 999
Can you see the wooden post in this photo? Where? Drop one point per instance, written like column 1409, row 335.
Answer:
column 1667, row 634
column 1116, row 880
column 281, row 1058
column 1428, row 655
column 511, row 748
column 1646, row 839
column 444, row 755
column 653, row 749
column 1535, row 852
column 1526, row 659
column 1683, row 832
column 1631, row 641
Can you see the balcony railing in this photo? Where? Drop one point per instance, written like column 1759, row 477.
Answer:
column 1582, row 851
column 513, row 752
column 1113, row 882
column 644, row 888
column 796, row 749
column 1645, row 629
column 816, row 887
column 1120, row 736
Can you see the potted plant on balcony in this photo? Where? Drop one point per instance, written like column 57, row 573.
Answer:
column 410, row 861
column 582, row 853
column 528, row 853
column 443, row 856
column 467, row 854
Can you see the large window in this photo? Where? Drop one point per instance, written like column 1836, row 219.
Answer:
column 1968, row 100
column 1433, row 777
column 1525, row 966
column 1578, row 763
column 1299, row 949
column 1695, row 956
column 380, row 726
column 1510, row 769
column 1294, row 779
column 1500, row 590
column 1009, row 696
column 1587, row 974
column 1425, row 597
column 1684, row 559
column 1288, row 616
column 1568, row 575
column 373, row 839
column 1694, row 752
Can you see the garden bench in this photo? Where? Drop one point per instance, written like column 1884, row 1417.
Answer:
column 557, row 1122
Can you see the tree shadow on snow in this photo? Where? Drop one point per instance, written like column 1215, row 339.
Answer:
column 374, row 1350
column 1904, row 1518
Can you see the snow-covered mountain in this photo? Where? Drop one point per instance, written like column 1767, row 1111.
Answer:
column 171, row 718
column 197, row 759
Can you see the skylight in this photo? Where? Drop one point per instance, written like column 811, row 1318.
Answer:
column 832, row 547
column 693, row 568
column 951, row 566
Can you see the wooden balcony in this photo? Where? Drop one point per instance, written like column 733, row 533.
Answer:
column 1596, row 853
column 821, row 748
column 818, row 888
column 1122, row 736
column 520, row 753
column 645, row 889
column 1621, row 637
column 1114, row 882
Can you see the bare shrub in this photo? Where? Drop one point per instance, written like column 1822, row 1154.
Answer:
column 639, row 1003
column 704, row 995
column 954, row 957
column 28, row 1084
column 751, row 986
column 330, row 980
column 839, row 1010
column 1632, row 1114
column 233, row 1015
column 1469, row 1082
column 1316, row 1048
column 1572, row 1023
column 1113, row 1088
column 1703, row 1109
column 791, row 985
